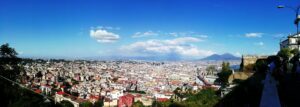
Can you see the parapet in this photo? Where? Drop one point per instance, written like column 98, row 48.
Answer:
column 249, row 60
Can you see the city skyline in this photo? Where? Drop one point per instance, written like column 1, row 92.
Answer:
column 132, row 28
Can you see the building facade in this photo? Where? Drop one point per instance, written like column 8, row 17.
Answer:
column 291, row 42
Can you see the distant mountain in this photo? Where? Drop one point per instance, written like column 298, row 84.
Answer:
column 226, row 56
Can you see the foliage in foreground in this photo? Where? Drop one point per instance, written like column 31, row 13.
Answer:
column 204, row 98
column 138, row 104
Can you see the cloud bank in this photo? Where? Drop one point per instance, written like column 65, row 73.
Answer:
column 144, row 34
column 182, row 47
column 253, row 35
column 103, row 36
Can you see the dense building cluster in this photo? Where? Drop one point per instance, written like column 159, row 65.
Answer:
column 116, row 82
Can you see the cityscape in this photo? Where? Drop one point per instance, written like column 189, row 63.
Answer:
column 149, row 53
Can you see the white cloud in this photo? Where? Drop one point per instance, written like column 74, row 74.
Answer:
column 104, row 36
column 238, row 54
column 179, row 46
column 144, row 34
column 107, row 27
column 203, row 36
column 186, row 34
column 182, row 40
column 253, row 35
column 173, row 34
column 280, row 36
column 259, row 44
column 20, row 52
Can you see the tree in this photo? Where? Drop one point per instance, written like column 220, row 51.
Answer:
column 211, row 69
column 165, row 104
column 176, row 104
column 205, row 98
column 98, row 103
column 261, row 65
column 295, row 51
column 225, row 67
column 86, row 104
column 285, row 53
column 9, row 62
column 138, row 104
column 224, row 74
column 7, row 52
column 66, row 103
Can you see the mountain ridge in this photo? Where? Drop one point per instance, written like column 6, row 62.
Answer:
column 225, row 56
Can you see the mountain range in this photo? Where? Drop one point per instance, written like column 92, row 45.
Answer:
column 226, row 56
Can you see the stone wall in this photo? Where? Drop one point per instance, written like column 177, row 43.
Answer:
column 248, row 61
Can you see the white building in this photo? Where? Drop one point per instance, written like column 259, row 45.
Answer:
column 115, row 94
column 291, row 41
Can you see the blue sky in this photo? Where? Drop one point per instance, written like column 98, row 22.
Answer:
column 142, row 28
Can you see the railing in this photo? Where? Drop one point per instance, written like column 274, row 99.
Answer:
column 270, row 96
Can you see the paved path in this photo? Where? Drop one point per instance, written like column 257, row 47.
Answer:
column 270, row 96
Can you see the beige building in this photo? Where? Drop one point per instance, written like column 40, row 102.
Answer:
column 111, row 103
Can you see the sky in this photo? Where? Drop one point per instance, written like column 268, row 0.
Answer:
column 187, row 29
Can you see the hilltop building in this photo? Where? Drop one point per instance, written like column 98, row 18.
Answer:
column 291, row 41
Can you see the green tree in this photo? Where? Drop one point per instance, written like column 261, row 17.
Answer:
column 224, row 74
column 161, row 104
column 285, row 53
column 86, row 104
column 225, row 67
column 211, row 69
column 7, row 52
column 66, row 103
column 156, row 104
column 9, row 62
column 261, row 65
column 138, row 104
column 205, row 98
column 177, row 104
column 294, row 51
column 99, row 103
column 165, row 104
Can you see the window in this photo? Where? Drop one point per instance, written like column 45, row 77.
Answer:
column 293, row 41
